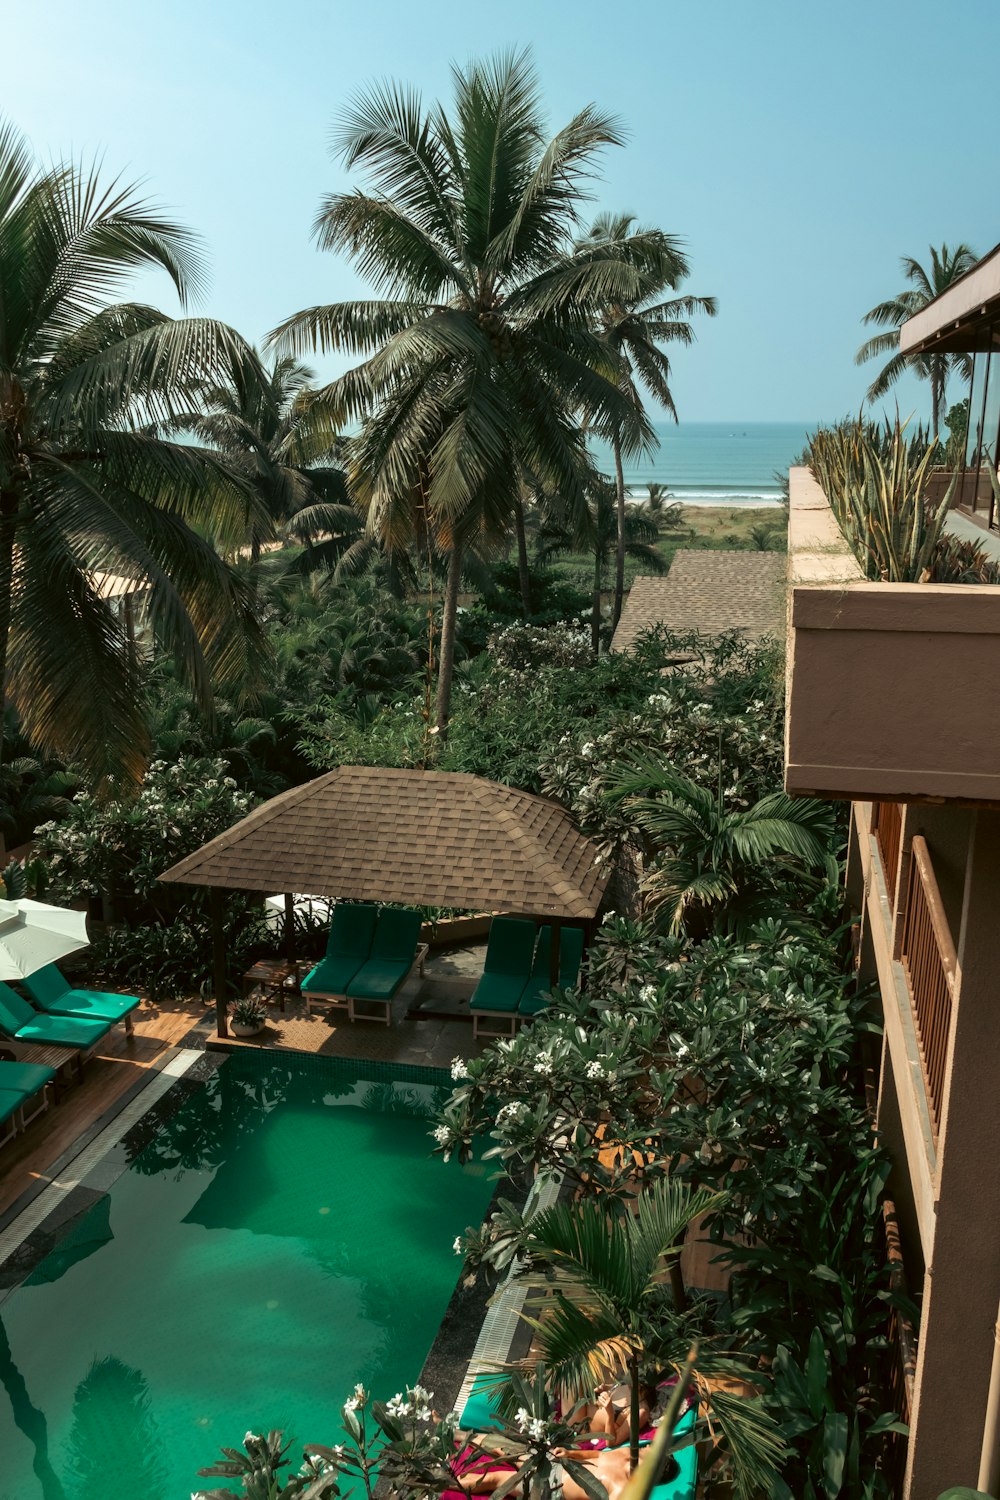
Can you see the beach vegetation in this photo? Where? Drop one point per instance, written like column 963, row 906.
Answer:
column 478, row 353
column 635, row 320
column 925, row 283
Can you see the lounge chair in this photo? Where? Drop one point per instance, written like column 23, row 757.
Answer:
column 682, row 1483
column 20, row 1084
column 352, row 929
column 535, row 995
column 394, row 951
column 506, row 972
column 19, row 1022
column 54, row 994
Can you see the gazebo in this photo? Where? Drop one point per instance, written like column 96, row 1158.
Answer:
column 419, row 838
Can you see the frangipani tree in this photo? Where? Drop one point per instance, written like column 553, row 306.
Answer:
column 479, row 351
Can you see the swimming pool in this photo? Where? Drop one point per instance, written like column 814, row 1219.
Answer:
column 286, row 1234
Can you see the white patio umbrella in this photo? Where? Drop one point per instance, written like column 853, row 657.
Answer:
column 33, row 934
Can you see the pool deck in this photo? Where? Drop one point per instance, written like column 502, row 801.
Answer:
column 431, row 1025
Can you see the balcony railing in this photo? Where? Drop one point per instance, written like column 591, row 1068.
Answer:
column 928, row 957
column 887, row 826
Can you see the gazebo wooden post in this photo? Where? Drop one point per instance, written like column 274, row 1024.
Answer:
column 289, row 933
column 555, row 943
column 219, row 966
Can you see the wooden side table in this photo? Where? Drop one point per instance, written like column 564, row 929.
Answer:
column 270, row 976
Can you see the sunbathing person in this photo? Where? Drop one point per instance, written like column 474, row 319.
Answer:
column 609, row 1466
column 611, row 1416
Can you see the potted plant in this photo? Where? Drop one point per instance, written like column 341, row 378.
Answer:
column 248, row 1016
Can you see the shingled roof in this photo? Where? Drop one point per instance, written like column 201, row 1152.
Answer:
column 422, row 838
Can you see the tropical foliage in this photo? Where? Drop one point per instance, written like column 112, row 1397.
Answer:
column 947, row 264
column 875, row 479
column 90, row 493
column 261, row 423
column 634, row 320
column 479, row 352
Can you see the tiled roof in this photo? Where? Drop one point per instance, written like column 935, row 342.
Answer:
column 422, row 838
column 710, row 592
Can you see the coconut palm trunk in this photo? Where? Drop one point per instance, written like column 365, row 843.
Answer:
column 616, row 612
column 446, row 667
column 595, row 607
column 523, row 574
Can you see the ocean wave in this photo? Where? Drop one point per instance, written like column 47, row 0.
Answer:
column 756, row 498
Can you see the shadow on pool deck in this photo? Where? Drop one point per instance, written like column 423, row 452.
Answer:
column 431, row 1023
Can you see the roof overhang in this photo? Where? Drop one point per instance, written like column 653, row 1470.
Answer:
column 961, row 320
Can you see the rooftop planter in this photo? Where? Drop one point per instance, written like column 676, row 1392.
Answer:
column 891, row 686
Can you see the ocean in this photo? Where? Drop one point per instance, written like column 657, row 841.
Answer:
column 716, row 463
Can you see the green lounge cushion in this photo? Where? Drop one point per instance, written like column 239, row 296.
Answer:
column 52, row 993
column 535, row 996
column 497, row 992
column 510, row 947
column 396, row 935
column 17, row 1019
column 352, row 928
column 681, row 1486
column 24, row 1078
column 394, row 947
column 378, row 979
column 508, row 965
column 332, row 975
column 479, row 1411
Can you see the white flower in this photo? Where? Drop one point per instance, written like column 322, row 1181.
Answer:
column 359, row 1391
column 587, row 750
column 419, row 1394
column 457, row 1246
column 536, row 1427
column 442, row 1134
column 352, row 1403
column 647, row 994
column 522, row 1418
column 459, row 1068
column 682, row 1050
column 397, row 1407
column 595, row 1070
column 544, row 1065
column 250, row 1437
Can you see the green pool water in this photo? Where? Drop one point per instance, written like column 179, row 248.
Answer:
column 285, row 1235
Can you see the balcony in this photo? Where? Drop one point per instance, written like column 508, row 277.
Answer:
column 927, row 954
column 886, row 696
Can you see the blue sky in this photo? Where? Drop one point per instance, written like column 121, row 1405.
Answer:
column 799, row 148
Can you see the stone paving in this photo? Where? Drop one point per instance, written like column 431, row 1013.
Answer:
column 431, row 1023
column 710, row 592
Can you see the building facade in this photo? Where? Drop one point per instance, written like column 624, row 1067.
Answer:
column 892, row 707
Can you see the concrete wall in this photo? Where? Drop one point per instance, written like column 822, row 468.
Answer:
column 890, row 686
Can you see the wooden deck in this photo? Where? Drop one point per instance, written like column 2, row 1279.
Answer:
column 119, row 1063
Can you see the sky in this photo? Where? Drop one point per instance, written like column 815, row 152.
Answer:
column 798, row 148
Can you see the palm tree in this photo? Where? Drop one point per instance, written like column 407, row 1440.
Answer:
column 88, row 487
column 947, row 265
column 611, row 1310
column 711, row 865
column 665, row 514
column 265, row 425
column 634, row 323
column 596, row 532
column 480, row 352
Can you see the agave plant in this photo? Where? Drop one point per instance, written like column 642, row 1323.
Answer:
column 875, row 480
